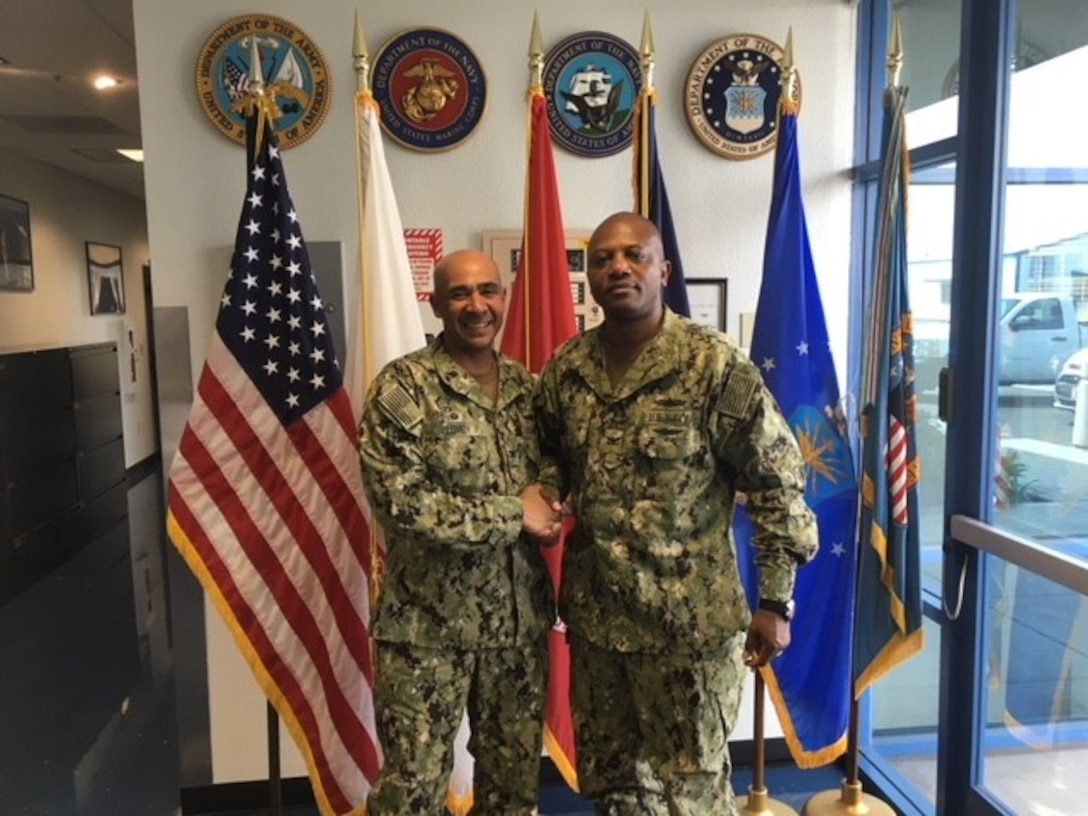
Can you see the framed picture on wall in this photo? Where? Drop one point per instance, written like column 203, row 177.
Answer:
column 708, row 298
column 504, row 246
column 105, row 280
column 16, row 262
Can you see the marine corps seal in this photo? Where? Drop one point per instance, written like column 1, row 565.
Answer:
column 591, row 81
column 292, row 66
column 431, row 89
column 732, row 93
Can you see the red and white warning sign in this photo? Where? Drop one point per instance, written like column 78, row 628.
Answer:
column 424, row 251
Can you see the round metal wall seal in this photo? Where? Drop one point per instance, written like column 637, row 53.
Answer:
column 591, row 82
column 293, row 67
column 431, row 89
column 732, row 93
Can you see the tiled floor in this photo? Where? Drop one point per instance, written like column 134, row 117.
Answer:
column 86, row 683
column 788, row 788
column 87, row 688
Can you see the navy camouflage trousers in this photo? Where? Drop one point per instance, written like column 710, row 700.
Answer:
column 420, row 695
column 651, row 730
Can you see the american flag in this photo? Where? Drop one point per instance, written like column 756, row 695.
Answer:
column 235, row 80
column 265, row 494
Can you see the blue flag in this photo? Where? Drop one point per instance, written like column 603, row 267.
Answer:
column 653, row 199
column 809, row 683
column 889, row 602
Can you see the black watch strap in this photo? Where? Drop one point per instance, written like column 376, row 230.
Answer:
column 784, row 609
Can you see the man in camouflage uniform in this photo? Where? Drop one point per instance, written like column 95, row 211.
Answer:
column 449, row 455
column 652, row 424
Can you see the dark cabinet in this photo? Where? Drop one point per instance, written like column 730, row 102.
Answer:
column 62, row 459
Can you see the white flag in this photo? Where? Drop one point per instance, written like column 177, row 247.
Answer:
column 386, row 324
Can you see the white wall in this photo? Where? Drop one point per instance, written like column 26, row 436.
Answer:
column 65, row 211
column 195, row 178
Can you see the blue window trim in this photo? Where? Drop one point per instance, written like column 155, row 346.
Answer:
column 986, row 48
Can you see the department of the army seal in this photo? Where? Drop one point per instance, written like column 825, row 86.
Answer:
column 431, row 89
column 591, row 82
column 732, row 93
column 293, row 68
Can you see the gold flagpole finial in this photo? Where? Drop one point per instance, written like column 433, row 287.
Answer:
column 789, row 72
column 895, row 53
column 361, row 57
column 647, row 52
column 536, row 54
column 643, row 140
column 259, row 97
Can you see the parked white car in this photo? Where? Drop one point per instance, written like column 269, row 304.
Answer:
column 1072, row 372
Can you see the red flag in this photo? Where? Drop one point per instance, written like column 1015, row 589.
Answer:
column 540, row 319
column 265, row 493
column 541, row 314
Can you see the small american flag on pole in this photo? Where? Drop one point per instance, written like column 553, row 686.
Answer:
column 234, row 80
column 264, row 498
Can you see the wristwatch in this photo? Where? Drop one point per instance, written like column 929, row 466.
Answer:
column 784, row 609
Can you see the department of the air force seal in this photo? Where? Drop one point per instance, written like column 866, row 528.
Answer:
column 431, row 89
column 292, row 66
column 732, row 93
column 591, row 82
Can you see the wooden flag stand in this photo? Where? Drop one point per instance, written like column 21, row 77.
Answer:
column 758, row 802
column 851, row 800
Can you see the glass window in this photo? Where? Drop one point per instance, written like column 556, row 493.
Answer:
column 1035, row 632
column 929, row 277
column 903, row 721
column 931, row 40
column 899, row 726
column 1035, row 636
column 1033, row 680
column 1039, row 442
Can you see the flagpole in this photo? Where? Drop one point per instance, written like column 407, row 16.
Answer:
column 361, row 66
column 648, row 195
column 647, row 54
column 275, row 799
column 758, row 801
column 852, row 800
column 536, row 86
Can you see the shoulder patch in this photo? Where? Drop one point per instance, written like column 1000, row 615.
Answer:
column 401, row 408
column 737, row 396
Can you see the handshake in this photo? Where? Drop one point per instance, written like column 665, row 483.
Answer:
column 541, row 515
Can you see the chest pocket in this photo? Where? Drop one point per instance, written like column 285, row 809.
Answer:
column 517, row 442
column 669, row 455
column 457, row 457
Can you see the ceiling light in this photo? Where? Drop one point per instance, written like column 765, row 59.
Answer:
column 135, row 155
column 103, row 82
